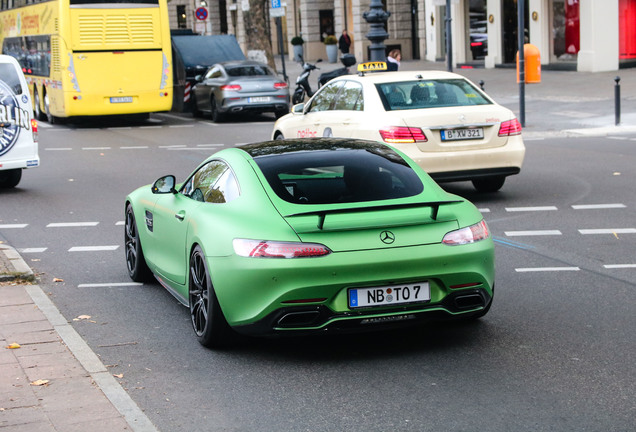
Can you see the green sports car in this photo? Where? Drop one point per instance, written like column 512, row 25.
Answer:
column 310, row 235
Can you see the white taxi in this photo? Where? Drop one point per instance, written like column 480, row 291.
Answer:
column 18, row 128
column 441, row 120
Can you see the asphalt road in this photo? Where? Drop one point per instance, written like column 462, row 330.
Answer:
column 556, row 352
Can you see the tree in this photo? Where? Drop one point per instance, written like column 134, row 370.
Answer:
column 257, row 31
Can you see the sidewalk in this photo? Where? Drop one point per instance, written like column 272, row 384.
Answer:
column 564, row 103
column 50, row 380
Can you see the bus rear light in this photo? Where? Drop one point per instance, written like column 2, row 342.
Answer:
column 510, row 128
column 401, row 134
column 231, row 87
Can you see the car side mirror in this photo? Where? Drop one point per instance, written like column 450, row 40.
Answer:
column 164, row 185
column 298, row 108
column 198, row 78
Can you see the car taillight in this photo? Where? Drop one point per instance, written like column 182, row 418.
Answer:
column 276, row 249
column 471, row 234
column 401, row 134
column 510, row 127
column 34, row 129
column 280, row 85
column 231, row 87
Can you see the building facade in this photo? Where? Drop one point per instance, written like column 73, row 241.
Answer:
column 591, row 35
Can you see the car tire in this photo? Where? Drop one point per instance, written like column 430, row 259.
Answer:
column 217, row 116
column 207, row 318
column 135, row 262
column 37, row 104
column 489, row 184
column 196, row 113
column 279, row 136
column 10, row 178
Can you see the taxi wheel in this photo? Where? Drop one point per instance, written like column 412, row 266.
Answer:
column 10, row 178
column 216, row 115
column 489, row 184
column 137, row 268
column 279, row 136
column 208, row 320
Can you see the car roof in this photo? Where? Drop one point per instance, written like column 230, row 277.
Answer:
column 309, row 145
column 242, row 63
column 384, row 77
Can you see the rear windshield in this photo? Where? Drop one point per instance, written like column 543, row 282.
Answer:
column 429, row 94
column 340, row 175
column 248, row 71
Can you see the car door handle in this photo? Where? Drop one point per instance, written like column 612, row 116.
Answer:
column 180, row 216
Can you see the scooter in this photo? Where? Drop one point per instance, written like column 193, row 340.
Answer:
column 347, row 60
column 302, row 83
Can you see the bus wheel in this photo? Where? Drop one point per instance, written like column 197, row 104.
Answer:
column 49, row 117
column 37, row 111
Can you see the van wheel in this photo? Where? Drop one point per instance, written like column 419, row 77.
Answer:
column 37, row 106
column 10, row 178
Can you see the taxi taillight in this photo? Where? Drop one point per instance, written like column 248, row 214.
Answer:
column 401, row 134
column 510, row 128
column 34, row 129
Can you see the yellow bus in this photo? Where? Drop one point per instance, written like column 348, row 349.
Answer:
column 91, row 57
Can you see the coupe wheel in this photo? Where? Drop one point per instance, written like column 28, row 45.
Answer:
column 195, row 107
column 10, row 178
column 489, row 184
column 208, row 320
column 216, row 115
column 137, row 268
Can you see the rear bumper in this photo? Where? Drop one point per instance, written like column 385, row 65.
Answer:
column 473, row 174
column 230, row 106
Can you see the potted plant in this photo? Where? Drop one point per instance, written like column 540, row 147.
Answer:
column 331, row 44
column 297, row 44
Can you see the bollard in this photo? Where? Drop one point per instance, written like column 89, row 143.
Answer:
column 481, row 84
column 617, row 101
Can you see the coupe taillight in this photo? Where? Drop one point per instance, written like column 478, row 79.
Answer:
column 276, row 249
column 510, row 128
column 471, row 234
column 231, row 87
column 280, row 85
column 402, row 134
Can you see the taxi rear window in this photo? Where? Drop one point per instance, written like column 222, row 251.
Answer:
column 429, row 94
column 341, row 174
column 9, row 75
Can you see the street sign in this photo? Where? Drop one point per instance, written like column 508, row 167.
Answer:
column 275, row 4
column 201, row 13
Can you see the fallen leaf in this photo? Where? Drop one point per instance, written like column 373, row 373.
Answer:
column 13, row 346
column 118, row 375
column 40, row 382
column 58, row 280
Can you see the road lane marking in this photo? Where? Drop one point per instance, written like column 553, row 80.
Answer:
column 119, row 223
column 71, row 224
column 597, row 206
column 484, row 210
column 619, row 266
column 181, row 126
column 545, row 269
column 93, row 248
column 133, row 147
column 114, row 284
column 172, row 146
column 533, row 233
column 32, row 250
column 210, row 145
column 95, row 148
column 13, row 226
column 608, row 231
column 59, row 148
column 523, row 209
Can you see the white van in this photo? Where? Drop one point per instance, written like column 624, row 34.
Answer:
column 18, row 128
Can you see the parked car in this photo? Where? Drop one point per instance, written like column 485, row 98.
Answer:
column 306, row 236
column 240, row 86
column 450, row 127
column 18, row 128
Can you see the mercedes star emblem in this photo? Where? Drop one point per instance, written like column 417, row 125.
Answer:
column 387, row 237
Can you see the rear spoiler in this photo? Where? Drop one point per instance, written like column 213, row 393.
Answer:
column 434, row 205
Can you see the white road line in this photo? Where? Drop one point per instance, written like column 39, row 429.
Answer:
column 189, row 119
column 71, row 224
column 150, row 127
column 133, row 147
column 620, row 138
column 545, row 269
column 181, row 126
column 58, row 149
column 619, row 266
column 522, row 209
column 120, row 128
column 609, row 231
column 32, row 250
column 115, row 284
column 597, row 206
column 95, row 148
column 93, row 248
column 119, row 223
column 484, row 210
column 532, row 233
column 185, row 148
column 172, row 146
column 13, row 226
column 210, row 145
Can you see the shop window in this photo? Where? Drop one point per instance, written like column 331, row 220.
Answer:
column 627, row 29
column 182, row 21
column 566, row 29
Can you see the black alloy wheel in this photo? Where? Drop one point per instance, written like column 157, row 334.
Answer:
column 208, row 320
column 137, row 268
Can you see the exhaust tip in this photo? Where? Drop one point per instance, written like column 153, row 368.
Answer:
column 298, row 319
column 469, row 301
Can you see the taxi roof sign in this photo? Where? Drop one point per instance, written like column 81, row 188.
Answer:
column 372, row 67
